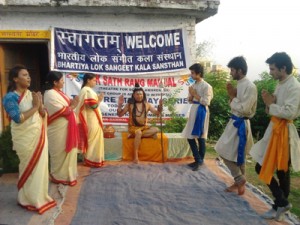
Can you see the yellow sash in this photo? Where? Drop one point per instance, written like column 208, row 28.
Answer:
column 277, row 155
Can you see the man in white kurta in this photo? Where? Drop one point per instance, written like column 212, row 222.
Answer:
column 270, row 152
column 200, row 95
column 231, row 146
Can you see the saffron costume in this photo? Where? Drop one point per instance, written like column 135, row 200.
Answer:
column 198, row 121
column 280, row 145
column 141, row 119
column 62, row 137
column 91, row 127
column 236, row 139
column 31, row 145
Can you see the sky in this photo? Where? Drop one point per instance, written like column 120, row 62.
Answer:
column 255, row 29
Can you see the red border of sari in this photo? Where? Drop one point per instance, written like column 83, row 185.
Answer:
column 34, row 159
column 40, row 210
column 64, row 96
column 89, row 102
column 93, row 164
column 56, row 115
column 85, row 130
column 65, row 182
column 92, row 102
column 21, row 97
column 63, row 110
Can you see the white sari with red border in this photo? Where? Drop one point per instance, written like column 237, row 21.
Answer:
column 91, row 128
column 63, row 162
column 31, row 144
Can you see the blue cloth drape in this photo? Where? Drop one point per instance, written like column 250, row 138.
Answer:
column 239, row 123
column 199, row 121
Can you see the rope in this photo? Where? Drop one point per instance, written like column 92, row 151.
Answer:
column 62, row 190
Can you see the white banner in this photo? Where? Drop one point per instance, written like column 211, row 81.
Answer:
column 113, row 87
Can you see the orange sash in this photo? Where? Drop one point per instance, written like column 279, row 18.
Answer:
column 277, row 155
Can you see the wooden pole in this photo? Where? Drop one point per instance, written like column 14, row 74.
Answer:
column 161, row 134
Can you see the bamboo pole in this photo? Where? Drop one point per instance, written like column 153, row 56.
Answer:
column 161, row 134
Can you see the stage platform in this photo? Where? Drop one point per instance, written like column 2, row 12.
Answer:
column 178, row 147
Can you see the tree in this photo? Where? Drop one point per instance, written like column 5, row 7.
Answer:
column 260, row 121
column 203, row 49
column 175, row 124
column 219, row 107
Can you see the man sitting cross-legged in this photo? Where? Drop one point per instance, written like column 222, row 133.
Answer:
column 138, row 107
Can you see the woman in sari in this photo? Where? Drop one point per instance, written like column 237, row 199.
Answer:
column 62, row 131
column 29, row 137
column 90, row 123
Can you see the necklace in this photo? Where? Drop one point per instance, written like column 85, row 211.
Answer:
column 138, row 112
column 137, row 109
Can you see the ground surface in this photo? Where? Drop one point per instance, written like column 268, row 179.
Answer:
column 148, row 193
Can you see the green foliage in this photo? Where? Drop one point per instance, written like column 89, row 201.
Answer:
column 171, row 100
column 219, row 107
column 176, row 123
column 297, row 121
column 203, row 49
column 297, row 125
column 10, row 160
column 261, row 120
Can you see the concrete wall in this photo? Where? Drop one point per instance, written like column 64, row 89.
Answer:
column 175, row 4
column 198, row 10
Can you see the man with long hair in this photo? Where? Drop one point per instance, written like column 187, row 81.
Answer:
column 138, row 108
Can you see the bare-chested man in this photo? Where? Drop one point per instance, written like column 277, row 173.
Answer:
column 138, row 107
